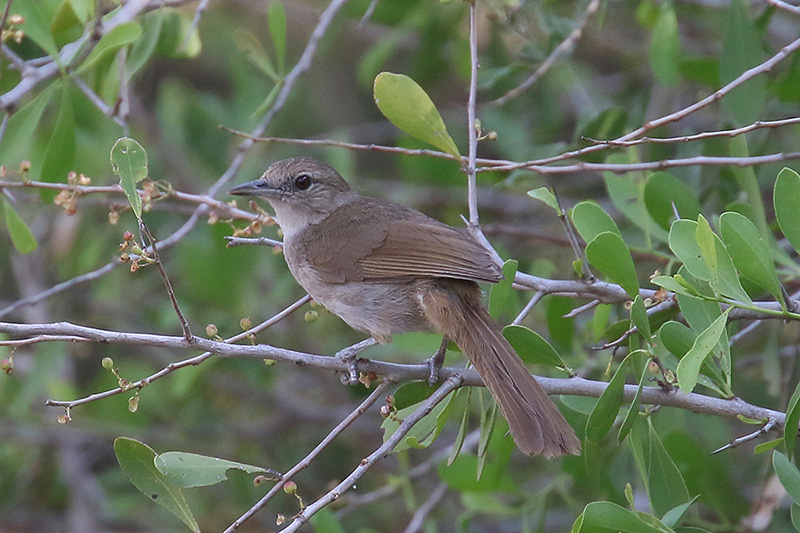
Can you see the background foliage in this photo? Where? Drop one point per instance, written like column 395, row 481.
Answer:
column 171, row 72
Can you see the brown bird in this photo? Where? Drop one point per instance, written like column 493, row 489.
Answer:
column 385, row 268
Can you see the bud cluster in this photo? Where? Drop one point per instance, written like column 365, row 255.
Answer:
column 68, row 198
column 130, row 250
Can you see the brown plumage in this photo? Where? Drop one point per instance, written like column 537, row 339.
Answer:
column 385, row 268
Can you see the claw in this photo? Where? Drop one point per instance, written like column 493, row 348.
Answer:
column 436, row 361
column 349, row 357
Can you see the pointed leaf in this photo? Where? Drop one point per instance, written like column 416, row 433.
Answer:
column 136, row 460
column 792, row 420
column 119, row 36
column 36, row 27
column 608, row 253
column 639, row 317
column 277, row 30
column 546, row 196
column 532, row 347
column 607, row 407
column 16, row 142
column 59, row 156
column 689, row 366
column 667, row 488
column 20, row 234
column 408, row 107
column 608, row 517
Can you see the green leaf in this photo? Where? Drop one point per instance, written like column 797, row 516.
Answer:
column 408, row 107
column 326, row 521
column 708, row 249
column 786, row 198
column 83, row 9
column 20, row 234
column 672, row 284
column 665, row 46
column 608, row 405
column 129, row 164
column 277, row 30
column 249, row 45
column 792, row 420
column 532, row 347
column 764, row 447
column 627, row 195
column 685, row 239
column 676, row 337
column 137, row 461
column 689, row 366
column 751, row 255
column 412, row 393
column 501, row 295
column 591, row 220
column 16, row 141
column 59, row 156
column 788, row 475
column 633, row 409
column 741, row 50
column 421, row 435
column 119, row 36
column 36, row 27
column 674, row 516
column 667, row 488
column 192, row 470
column 639, row 317
column 603, row 517
column 608, row 253
column 143, row 49
column 662, row 191
column 546, row 196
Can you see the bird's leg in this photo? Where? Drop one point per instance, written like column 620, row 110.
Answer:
column 436, row 361
column 348, row 356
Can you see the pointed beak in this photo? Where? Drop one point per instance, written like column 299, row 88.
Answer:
column 253, row 188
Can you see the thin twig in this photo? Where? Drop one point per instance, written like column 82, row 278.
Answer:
column 422, row 512
column 780, row 4
column 306, row 461
column 383, row 451
column 192, row 361
column 759, row 124
column 747, row 438
column 187, row 332
column 565, row 47
column 198, row 14
column 263, row 241
column 577, row 386
column 97, row 101
column 537, row 296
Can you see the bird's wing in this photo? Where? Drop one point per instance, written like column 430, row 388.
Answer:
column 371, row 240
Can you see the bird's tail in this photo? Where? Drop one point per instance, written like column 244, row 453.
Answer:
column 455, row 309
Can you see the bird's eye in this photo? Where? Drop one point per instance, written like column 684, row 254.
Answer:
column 302, row 182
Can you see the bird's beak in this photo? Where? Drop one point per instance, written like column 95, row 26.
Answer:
column 253, row 188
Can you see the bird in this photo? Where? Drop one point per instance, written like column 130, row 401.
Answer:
column 385, row 268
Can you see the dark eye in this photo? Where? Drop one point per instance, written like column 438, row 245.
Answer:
column 302, row 182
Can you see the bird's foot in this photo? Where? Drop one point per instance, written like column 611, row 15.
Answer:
column 436, row 361
column 349, row 356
